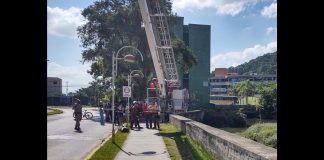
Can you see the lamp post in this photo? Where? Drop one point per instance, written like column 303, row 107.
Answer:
column 126, row 58
column 129, row 83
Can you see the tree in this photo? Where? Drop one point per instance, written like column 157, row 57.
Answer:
column 112, row 24
column 245, row 89
column 268, row 100
column 183, row 55
column 233, row 90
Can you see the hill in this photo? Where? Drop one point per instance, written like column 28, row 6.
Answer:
column 262, row 65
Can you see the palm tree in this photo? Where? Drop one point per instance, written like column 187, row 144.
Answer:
column 245, row 88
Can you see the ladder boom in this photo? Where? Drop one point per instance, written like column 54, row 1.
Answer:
column 158, row 36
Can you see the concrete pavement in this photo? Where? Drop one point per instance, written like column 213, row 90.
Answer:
column 145, row 144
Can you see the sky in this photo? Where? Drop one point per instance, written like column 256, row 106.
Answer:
column 241, row 30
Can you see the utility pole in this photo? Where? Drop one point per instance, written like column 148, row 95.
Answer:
column 67, row 88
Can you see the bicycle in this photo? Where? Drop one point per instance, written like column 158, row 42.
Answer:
column 87, row 115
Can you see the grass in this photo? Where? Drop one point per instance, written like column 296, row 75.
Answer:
column 109, row 150
column 265, row 133
column 249, row 122
column 253, row 121
column 55, row 111
column 180, row 146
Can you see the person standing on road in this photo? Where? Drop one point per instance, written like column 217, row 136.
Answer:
column 108, row 112
column 134, row 118
column 101, row 112
column 78, row 114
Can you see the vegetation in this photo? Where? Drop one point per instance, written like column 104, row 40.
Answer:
column 112, row 25
column 266, row 104
column 98, row 90
column 181, row 146
column 250, row 100
column 268, row 100
column 183, row 55
column 54, row 111
column 109, row 150
column 265, row 64
column 249, row 122
column 237, row 119
column 243, row 89
column 265, row 133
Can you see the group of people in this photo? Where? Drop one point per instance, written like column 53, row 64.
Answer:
column 106, row 113
column 150, row 111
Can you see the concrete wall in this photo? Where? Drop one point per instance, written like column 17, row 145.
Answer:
column 196, row 115
column 179, row 122
column 223, row 145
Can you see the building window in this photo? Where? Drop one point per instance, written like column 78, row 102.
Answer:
column 55, row 82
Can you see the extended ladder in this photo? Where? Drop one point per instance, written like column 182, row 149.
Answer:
column 159, row 40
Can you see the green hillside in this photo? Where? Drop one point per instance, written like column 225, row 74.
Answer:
column 262, row 65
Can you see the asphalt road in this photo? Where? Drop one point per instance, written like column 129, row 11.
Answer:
column 64, row 143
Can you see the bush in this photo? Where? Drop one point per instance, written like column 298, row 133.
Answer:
column 265, row 133
column 237, row 119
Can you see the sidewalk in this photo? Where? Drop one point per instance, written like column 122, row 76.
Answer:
column 144, row 144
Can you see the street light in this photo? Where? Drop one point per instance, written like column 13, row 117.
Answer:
column 129, row 83
column 126, row 58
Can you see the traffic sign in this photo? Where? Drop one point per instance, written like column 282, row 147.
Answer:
column 127, row 91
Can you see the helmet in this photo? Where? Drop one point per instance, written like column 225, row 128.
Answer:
column 134, row 102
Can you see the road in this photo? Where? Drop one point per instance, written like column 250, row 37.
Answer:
column 64, row 143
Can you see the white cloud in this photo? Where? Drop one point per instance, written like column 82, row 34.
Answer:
column 270, row 11
column 76, row 76
column 64, row 22
column 223, row 7
column 271, row 29
column 225, row 60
